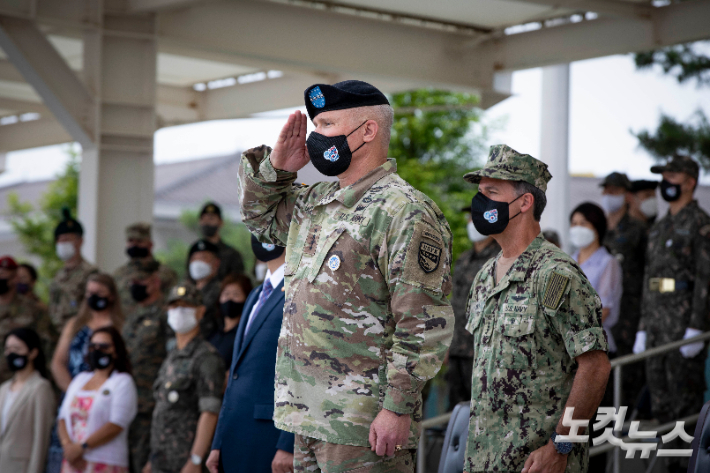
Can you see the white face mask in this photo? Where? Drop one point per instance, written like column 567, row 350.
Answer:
column 260, row 270
column 473, row 234
column 199, row 270
column 612, row 203
column 65, row 250
column 581, row 237
column 649, row 207
column 182, row 319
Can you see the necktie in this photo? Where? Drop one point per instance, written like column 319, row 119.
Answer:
column 265, row 293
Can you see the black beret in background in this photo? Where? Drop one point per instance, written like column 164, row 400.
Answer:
column 211, row 208
column 68, row 225
column 343, row 95
column 643, row 185
column 203, row 245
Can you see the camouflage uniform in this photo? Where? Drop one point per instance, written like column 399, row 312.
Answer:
column 366, row 319
column 24, row 312
column 212, row 320
column 461, row 351
column 146, row 333
column 528, row 329
column 122, row 276
column 346, row 458
column 230, row 260
column 66, row 292
column 678, row 248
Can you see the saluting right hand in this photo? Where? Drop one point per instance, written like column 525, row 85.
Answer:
column 290, row 153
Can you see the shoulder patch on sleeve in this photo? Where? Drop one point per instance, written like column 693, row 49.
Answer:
column 425, row 257
column 554, row 290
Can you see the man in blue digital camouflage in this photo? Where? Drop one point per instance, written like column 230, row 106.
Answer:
column 366, row 318
column 536, row 322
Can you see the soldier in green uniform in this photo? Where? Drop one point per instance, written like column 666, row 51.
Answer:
column 211, row 222
column 626, row 240
column 67, row 288
column 644, row 205
column 203, row 267
column 188, row 391
column 539, row 346
column 146, row 333
column 467, row 265
column 139, row 248
column 366, row 318
column 17, row 310
column 675, row 295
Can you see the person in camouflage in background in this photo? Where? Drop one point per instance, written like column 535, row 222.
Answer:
column 230, row 260
column 188, row 391
column 139, row 246
column 460, row 360
column 366, row 318
column 675, row 296
column 146, row 333
column 539, row 346
column 626, row 240
column 644, row 204
column 66, row 290
column 204, row 264
column 18, row 311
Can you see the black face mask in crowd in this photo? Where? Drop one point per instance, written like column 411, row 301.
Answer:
column 670, row 192
column 208, row 231
column 331, row 155
column 99, row 360
column 139, row 292
column 231, row 309
column 265, row 251
column 97, row 302
column 16, row 362
column 4, row 286
column 137, row 252
column 23, row 288
column 490, row 217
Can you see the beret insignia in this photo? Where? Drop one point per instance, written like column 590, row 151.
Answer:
column 316, row 97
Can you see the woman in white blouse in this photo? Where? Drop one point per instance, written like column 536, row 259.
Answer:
column 26, row 405
column 98, row 408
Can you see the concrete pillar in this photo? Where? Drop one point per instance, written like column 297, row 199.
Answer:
column 116, row 182
column 554, row 148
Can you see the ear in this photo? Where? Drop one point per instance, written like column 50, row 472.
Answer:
column 370, row 131
column 527, row 203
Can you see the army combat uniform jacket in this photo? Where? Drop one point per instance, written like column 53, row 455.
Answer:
column 66, row 292
column 366, row 319
column 527, row 330
column 123, row 277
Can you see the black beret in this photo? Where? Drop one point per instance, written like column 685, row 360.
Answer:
column 211, row 208
column 343, row 95
column 68, row 225
column 643, row 185
column 203, row 245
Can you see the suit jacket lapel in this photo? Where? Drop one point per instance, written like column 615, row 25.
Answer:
column 271, row 302
column 252, row 300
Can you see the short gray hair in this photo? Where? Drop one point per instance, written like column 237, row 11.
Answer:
column 382, row 114
column 522, row 187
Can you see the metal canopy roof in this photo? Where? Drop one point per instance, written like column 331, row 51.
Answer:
column 229, row 59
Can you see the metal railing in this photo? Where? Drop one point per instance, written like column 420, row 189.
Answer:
column 616, row 366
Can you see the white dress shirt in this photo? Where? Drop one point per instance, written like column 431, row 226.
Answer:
column 276, row 277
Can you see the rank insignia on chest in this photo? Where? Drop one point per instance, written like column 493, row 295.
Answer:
column 555, row 289
column 334, row 262
column 106, row 392
column 173, row 396
column 429, row 257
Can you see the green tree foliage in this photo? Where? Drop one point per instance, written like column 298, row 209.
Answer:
column 35, row 226
column 671, row 136
column 437, row 137
column 683, row 61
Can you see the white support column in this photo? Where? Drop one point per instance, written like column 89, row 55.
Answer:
column 554, row 147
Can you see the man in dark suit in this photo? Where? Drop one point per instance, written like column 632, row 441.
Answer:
column 245, row 428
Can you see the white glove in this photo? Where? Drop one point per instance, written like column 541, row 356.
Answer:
column 692, row 350
column 640, row 343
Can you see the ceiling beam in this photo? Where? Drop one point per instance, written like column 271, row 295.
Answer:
column 157, row 5
column 43, row 132
column 621, row 8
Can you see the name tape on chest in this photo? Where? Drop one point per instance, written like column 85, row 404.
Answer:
column 555, row 290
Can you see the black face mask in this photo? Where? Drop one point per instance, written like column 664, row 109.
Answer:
column 490, row 217
column 16, row 362
column 139, row 292
column 4, row 286
column 137, row 252
column 209, row 230
column 97, row 302
column 265, row 251
column 670, row 192
column 23, row 288
column 331, row 155
column 231, row 309
column 99, row 360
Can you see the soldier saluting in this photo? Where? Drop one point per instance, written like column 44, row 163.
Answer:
column 366, row 318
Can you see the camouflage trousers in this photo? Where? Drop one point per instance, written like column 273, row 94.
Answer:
column 458, row 376
column 677, row 384
column 139, row 441
column 318, row 456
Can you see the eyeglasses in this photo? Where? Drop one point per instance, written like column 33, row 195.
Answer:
column 100, row 346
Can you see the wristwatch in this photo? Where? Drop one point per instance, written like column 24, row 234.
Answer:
column 563, row 448
column 196, row 459
column 85, row 446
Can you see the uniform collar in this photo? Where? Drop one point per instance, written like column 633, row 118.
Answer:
column 520, row 267
column 350, row 195
column 190, row 348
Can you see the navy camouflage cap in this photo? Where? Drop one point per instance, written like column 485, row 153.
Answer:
column 617, row 179
column 679, row 163
column 507, row 164
column 321, row 98
column 186, row 292
column 138, row 231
